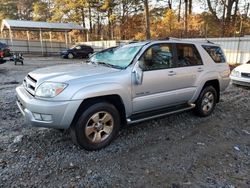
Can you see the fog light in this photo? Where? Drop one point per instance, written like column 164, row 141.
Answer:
column 46, row 117
column 37, row 116
column 42, row 117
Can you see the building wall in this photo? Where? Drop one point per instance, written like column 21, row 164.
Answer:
column 236, row 49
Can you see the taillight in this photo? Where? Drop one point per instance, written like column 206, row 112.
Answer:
column 1, row 54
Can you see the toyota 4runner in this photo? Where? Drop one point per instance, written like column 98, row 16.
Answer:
column 124, row 85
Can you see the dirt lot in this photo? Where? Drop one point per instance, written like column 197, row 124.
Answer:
column 176, row 151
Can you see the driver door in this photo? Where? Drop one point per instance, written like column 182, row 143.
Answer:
column 161, row 85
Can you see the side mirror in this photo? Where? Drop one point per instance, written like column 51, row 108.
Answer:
column 138, row 74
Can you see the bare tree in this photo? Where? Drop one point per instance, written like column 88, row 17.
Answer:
column 147, row 18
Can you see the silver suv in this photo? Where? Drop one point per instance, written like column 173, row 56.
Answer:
column 124, row 85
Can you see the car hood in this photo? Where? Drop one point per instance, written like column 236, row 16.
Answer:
column 66, row 73
column 243, row 68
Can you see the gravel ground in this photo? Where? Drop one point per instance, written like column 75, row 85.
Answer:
column 175, row 151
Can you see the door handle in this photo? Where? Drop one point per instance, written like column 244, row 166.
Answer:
column 200, row 69
column 171, row 73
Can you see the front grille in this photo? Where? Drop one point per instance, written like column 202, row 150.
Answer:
column 245, row 75
column 29, row 84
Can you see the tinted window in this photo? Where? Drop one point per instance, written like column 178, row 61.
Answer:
column 215, row 53
column 188, row 55
column 158, row 56
column 85, row 47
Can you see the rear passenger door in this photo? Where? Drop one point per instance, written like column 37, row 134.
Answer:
column 189, row 67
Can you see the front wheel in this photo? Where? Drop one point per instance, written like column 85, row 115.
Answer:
column 97, row 126
column 206, row 102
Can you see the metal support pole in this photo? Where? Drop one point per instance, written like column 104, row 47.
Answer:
column 87, row 35
column 70, row 40
column 50, row 39
column 41, row 40
column 66, row 39
column 11, row 37
column 28, row 41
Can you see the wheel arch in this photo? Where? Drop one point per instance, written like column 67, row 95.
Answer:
column 215, row 83
column 115, row 100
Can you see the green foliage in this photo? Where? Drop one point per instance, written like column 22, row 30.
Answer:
column 40, row 11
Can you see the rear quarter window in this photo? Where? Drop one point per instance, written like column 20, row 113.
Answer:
column 215, row 53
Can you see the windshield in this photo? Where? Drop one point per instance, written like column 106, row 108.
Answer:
column 119, row 57
column 75, row 47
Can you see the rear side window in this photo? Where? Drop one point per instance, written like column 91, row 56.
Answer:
column 188, row 55
column 85, row 47
column 215, row 53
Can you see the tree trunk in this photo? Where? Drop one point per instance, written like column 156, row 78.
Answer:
column 90, row 19
column 186, row 18
column 179, row 11
column 190, row 6
column 212, row 10
column 170, row 4
column 236, row 9
column 223, row 20
column 229, row 9
column 83, row 17
column 147, row 18
column 98, row 26
column 109, row 25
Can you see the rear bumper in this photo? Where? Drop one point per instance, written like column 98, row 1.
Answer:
column 61, row 112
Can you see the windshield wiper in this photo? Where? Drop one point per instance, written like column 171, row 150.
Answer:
column 107, row 65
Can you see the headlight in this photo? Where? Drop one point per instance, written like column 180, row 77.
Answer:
column 235, row 73
column 50, row 89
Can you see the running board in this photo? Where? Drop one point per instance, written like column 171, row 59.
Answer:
column 136, row 118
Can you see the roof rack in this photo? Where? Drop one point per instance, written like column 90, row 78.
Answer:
column 208, row 41
column 169, row 38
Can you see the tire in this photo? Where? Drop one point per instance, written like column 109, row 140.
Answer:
column 206, row 102
column 96, row 127
column 70, row 56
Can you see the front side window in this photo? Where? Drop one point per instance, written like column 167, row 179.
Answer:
column 215, row 53
column 158, row 56
column 188, row 55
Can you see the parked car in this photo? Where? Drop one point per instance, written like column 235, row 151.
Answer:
column 77, row 51
column 241, row 75
column 4, row 52
column 124, row 85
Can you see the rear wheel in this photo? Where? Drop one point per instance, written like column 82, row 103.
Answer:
column 206, row 102
column 97, row 126
column 70, row 56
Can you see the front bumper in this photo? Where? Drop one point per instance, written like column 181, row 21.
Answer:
column 62, row 112
column 240, row 81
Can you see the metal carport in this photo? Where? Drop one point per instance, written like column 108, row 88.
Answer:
column 21, row 25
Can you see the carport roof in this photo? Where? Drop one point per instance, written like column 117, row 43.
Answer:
column 37, row 26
